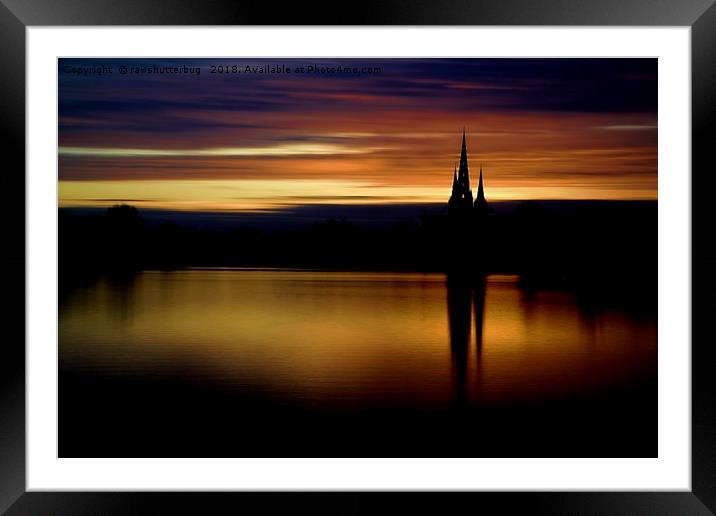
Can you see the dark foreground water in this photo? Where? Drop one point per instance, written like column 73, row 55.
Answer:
column 297, row 363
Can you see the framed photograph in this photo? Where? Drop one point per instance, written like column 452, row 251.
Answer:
column 432, row 249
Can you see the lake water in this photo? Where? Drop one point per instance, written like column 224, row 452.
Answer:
column 214, row 362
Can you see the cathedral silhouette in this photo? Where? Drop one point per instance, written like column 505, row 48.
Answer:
column 461, row 209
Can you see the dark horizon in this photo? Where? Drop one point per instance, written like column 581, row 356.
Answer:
column 594, row 246
column 308, row 213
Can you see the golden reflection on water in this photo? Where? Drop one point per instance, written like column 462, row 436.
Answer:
column 368, row 339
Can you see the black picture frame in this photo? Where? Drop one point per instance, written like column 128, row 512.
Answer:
column 16, row 15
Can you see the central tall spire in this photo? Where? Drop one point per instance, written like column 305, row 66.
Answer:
column 461, row 204
column 461, row 199
column 463, row 174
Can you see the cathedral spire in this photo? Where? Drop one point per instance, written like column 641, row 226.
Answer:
column 480, row 190
column 463, row 175
column 461, row 200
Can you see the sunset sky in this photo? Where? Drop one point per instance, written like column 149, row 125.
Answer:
column 541, row 128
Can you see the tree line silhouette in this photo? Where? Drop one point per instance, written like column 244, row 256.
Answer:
column 550, row 245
